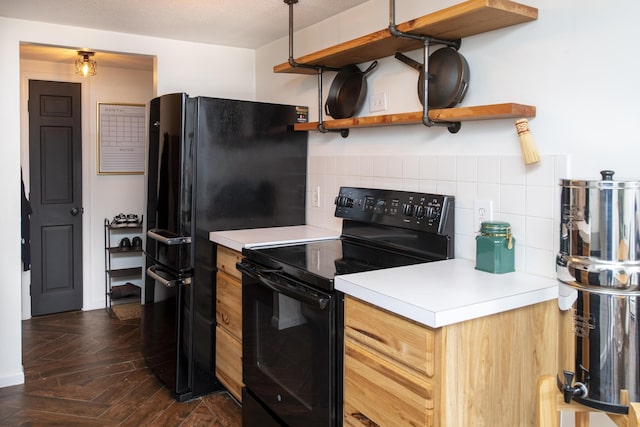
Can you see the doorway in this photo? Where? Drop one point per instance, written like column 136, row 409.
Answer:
column 122, row 78
column 55, row 175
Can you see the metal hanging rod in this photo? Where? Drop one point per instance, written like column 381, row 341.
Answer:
column 427, row 41
column 320, row 69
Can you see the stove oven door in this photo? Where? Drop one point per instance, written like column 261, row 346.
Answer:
column 289, row 349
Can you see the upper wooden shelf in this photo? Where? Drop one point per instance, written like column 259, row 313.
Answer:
column 455, row 22
column 481, row 112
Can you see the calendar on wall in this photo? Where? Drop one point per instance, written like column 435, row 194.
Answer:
column 121, row 133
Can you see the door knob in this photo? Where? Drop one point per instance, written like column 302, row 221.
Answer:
column 75, row 211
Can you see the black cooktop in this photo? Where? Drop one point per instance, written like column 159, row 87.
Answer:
column 318, row 262
column 380, row 229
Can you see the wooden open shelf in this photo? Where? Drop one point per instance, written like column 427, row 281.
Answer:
column 481, row 112
column 455, row 22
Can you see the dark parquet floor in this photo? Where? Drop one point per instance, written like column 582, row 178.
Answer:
column 86, row 369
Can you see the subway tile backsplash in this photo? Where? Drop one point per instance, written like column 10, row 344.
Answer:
column 525, row 196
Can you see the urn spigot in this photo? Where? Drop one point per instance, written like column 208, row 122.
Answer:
column 570, row 391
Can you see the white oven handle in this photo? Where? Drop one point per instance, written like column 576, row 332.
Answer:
column 293, row 290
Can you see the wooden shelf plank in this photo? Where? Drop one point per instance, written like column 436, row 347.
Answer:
column 458, row 21
column 125, row 272
column 117, row 250
column 473, row 113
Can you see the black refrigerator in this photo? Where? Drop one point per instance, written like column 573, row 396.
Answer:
column 213, row 164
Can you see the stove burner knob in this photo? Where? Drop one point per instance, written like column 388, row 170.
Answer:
column 344, row 202
column 407, row 209
column 432, row 213
column 420, row 211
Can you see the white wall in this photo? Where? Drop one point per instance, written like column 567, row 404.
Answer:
column 558, row 63
column 10, row 264
column 576, row 64
column 204, row 75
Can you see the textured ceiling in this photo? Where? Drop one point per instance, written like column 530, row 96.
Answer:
column 238, row 23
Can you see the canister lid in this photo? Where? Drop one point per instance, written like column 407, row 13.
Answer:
column 495, row 227
column 606, row 183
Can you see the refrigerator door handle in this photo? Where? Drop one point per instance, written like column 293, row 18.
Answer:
column 167, row 237
column 162, row 276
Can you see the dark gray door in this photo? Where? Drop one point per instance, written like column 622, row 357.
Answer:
column 55, row 166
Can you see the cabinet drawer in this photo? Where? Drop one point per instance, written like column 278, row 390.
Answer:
column 229, row 304
column 376, row 392
column 229, row 362
column 402, row 340
column 226, row 261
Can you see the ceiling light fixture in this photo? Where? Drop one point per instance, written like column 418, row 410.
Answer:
column 84, row 65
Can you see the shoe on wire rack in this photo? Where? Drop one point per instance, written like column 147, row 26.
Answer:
column 119, row 220
column 125, row 244
column 133, row 220
column 136, row 243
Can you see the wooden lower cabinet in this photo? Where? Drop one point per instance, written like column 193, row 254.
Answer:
column 229, row 321
column 229, row 304
column 381, row 391
column 480, row 372
column 229, row 362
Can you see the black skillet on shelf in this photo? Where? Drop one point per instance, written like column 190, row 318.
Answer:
column 448, row 77
column 347, row 91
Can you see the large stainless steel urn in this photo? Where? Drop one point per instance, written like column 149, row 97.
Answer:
column 599, row 266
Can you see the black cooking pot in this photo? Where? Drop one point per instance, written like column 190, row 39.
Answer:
column 448, row 77
column 347, row 91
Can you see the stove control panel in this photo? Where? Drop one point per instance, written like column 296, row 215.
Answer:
column 419, row 211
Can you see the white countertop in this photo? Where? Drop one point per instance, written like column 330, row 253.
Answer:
column 238, row 239
column 435, row 294
column 444, row 292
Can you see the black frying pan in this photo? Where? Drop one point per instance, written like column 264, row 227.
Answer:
column 347, row 91
column 448, row 77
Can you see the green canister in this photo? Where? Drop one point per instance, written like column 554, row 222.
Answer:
column 495, row 248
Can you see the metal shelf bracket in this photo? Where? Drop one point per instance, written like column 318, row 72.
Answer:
column 427, row 41
column 319, row 69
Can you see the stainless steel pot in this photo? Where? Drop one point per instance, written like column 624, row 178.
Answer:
column 600, row 233
column 599, row 265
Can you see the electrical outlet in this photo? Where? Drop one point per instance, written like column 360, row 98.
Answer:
column 378, row 102
column 315, row 197
column 482, row 211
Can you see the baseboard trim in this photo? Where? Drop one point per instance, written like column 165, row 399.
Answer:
column 14, row 379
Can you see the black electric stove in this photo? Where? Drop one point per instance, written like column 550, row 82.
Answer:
column 293, row 316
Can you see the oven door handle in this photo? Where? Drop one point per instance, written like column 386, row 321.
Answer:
column 317, row 301
column 163, row 277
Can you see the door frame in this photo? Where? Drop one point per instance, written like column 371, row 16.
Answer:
column 85, row 98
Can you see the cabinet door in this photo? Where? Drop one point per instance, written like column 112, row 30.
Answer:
column 229, row 304
column 227, row 260
column 404, row 342
column 229, row 362
column 377, row 392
